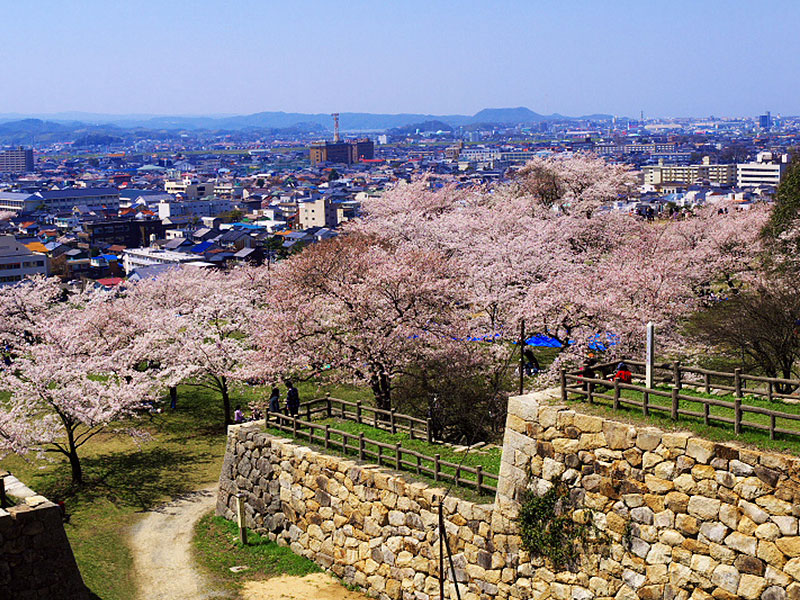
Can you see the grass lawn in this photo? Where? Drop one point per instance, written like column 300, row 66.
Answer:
column 488, row 459
column 716, row 430
column 185, row 453
column 217, row 549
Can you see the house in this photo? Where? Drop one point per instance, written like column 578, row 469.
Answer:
column 17, row 261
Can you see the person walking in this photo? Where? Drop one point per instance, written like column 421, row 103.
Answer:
column 531, row 364
column 292, row 400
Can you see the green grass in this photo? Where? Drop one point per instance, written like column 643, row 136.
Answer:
column 217, row 549
column 488, row 459
column 122, row 480
column 716, row 430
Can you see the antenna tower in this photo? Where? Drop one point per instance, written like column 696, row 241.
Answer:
column 335, row 127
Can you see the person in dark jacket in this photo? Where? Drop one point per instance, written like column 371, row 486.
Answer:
column 292, row 400
column 275, row 400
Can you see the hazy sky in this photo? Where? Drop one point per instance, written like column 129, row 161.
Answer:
column 667, row 58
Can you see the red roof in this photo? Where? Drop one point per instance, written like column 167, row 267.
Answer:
column 110, row 281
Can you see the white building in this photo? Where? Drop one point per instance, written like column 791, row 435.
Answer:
column 142, row 257
column 19, row 202
column 207, row 207
column 767, row 169
column 320, row 212
column 17, row 262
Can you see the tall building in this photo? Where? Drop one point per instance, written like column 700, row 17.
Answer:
column 765, row 121
column 18, row 160
column 17, row 262
column 348, row 152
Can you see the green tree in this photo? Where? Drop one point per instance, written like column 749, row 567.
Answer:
column 787, row 205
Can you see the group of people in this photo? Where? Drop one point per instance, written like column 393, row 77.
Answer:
column 291, row 406
column 622, row 374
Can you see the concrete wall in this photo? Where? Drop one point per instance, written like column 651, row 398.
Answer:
column 36, row 561
column 684, row 517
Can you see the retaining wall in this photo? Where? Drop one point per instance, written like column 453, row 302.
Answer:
column 683, row 517
column 36, row 561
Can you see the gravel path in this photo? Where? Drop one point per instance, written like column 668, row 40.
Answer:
column 161, row 547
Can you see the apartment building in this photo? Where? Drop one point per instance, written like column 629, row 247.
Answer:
column 205, row 207
column 320, row 212
column 19, row 202
column 724, row 175
column 767, row 169
column 18, row 262
column 17, row 160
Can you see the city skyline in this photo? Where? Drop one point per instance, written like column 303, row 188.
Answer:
column 681, row 60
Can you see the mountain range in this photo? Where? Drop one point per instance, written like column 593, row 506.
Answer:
column 349, row 121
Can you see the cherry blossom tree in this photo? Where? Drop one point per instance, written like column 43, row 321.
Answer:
column 63, row 390
column 359, row 309
column 196, row 326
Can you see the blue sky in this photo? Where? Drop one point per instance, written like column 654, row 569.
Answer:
column 676, row 58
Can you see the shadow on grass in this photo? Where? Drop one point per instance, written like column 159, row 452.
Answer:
column 138, row 479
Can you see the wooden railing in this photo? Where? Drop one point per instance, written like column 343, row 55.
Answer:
column 679, row 378
column 390, row 455
column 388, row 420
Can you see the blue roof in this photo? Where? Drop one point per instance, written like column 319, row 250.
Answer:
column 247, row 226
column 109, row 256
column 201, row 247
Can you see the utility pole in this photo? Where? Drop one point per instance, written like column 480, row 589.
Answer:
column 650, row 357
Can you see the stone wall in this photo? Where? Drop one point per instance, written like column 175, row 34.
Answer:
column 689, row 518
column 682, row 517
column 36, row 561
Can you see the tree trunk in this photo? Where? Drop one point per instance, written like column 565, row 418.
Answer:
column 381, row 388
column 74, row 461
column 75, row 465
column 173, row 397
column 226, row 401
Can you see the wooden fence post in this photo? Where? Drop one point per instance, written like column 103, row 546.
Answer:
column 674, row 403
column 436, row 459
column 676, row 374
column 707, row 382
column 328, row 405
column 590, row 392
column 358, row 412
column 327, row 436
column 391, row 420
column 616, row 394
column 308, row 412
column 294, row 425
column 398, row 455
column 478, row 478
column 410, row 428
column 361, row 446
column 430, row 431
column 645, row 402
column 240, row 515
column 563, row 384
column 770, row 392
column 737, row 417
column 772, row 427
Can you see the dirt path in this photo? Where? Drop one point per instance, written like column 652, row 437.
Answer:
column 317, row 586
column 161, row 548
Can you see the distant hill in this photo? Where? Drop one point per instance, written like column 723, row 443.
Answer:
column 73, row 126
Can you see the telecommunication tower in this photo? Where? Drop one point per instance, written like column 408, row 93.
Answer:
column 335, row 127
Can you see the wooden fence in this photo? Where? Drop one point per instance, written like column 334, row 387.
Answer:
column 388, row 420
column 678, row 378
column 390, row 455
